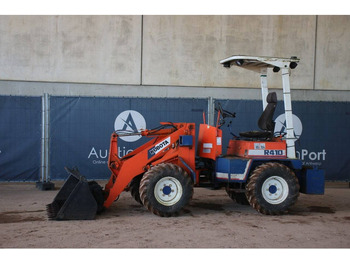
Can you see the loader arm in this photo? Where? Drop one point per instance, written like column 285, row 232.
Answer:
column 165, row 146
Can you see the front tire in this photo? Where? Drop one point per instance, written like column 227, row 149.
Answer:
column 165, row 189
column 272, row 189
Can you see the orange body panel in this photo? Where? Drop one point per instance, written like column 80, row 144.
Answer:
column 163, row 148
column 257, row 149
column 209, row 141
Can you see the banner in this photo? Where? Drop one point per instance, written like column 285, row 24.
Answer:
column 81, row 127
column 20, row 138
column 80, row 130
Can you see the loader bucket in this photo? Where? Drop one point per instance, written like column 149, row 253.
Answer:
column 74, row 201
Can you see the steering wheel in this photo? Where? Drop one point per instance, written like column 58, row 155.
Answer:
column 225, row 113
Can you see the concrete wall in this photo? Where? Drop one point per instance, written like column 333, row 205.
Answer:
column 186, row 50
column 332, row 53
column 87, row 49
column 170, row 56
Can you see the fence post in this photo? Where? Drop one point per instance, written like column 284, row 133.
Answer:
column 45, row 183
column 211, row 111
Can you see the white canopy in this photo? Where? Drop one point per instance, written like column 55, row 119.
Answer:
column 256, row 63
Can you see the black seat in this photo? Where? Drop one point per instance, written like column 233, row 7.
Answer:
column 265, row 122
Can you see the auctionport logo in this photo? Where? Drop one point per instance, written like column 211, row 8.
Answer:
column 310, row 157
column 280, row 126
column 130, row 121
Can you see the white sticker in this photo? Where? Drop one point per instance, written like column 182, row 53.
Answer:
column 206, row 151
column 267, row 152
column 259, row 145
column 222, row 175
column 218, row 141
column 207, row 145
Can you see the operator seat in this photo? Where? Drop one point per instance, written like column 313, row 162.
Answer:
column 265, row 122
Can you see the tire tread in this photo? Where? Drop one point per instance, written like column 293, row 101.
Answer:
column 155, row 171
column 257, row 203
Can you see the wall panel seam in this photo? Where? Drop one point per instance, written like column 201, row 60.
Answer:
column 315, row 53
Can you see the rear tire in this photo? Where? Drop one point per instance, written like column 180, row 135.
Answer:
column 134, row 188
column 272, row 189
column 165, row 189
column 240, row 197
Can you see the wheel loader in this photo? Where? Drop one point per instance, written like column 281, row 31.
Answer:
column 257, row 167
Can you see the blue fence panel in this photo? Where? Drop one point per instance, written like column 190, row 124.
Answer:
column 20, row 138
column 80, row 128
column 324, row 140
column 322, row 129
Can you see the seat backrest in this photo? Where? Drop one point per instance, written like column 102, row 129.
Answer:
column 265, row 121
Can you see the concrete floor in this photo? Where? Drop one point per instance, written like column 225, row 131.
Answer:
column 212, row 220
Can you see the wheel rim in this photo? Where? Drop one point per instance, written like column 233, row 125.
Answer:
column 168, row 191
column 275, row 190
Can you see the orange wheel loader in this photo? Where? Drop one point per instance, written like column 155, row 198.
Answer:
column 259, row 168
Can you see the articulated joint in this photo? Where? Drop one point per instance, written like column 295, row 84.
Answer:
column 193, row 174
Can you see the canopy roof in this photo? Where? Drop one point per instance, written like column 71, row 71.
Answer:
column 256, row 63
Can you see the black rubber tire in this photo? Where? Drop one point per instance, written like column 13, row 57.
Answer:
column 239, row 198
column 97, row 192
column 134, row 188
column 272, row 172
column 230, row 193
column 168, row 172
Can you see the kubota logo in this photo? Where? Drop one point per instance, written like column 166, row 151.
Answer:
column 280, row 126
column 159, row 147
column 130, row 121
